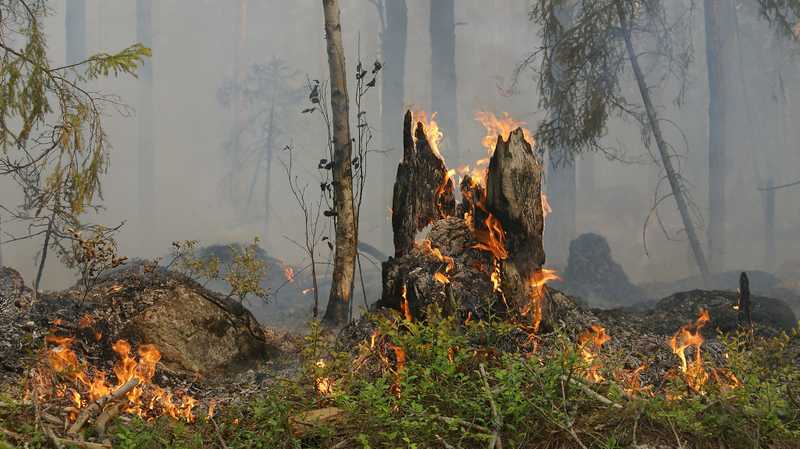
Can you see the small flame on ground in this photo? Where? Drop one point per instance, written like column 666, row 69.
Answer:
column 590, row 342
column 687, row 336
column 404, row 304
column 536, row 285
column 323, row 384
column 288, row 273
column 441, row 278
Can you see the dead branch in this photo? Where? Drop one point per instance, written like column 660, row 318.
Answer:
column 497, row 420
column 593, row 394
column 98, row 404
column 102, row 421
column 463, row 423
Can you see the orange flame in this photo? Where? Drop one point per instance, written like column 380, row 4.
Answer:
column 536, row 285
column 690, row 336
column 404, row 304
column 441, row 278
column 433, row 134
column 500, row 126
column 288, row 273
column 63, row 360
column 590, row 342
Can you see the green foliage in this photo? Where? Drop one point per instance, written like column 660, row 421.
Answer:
column 244, row 273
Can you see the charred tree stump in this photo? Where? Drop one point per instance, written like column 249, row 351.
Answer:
column 745, row 307
column 423, row 191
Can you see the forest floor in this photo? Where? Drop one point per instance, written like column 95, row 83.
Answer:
column 386, row 381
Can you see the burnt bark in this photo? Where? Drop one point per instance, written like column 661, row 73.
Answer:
column 745, row 315
column 344, row 257
column 423, row 192
column 514, row 196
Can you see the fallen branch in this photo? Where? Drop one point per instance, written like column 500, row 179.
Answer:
column 463, row 423
column 218, row 433
column 102, row 421
column 496, row 442
column 595, row 395
column 98, row 404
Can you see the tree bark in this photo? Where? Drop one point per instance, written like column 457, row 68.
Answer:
column 423, row 192
column 146, row 120
column 443, row 74
column 393, row 48
column 345, row 251
column 718, row 15
column 655, row 128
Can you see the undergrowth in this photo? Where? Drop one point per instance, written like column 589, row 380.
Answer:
column 440, row 384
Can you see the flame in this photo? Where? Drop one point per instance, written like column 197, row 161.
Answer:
column 690, row 336
column 546, row 209
column 426, row 246
column 62, row 360
column 441, row 278
column 493, row 238
column 536, row 285
column 496, row 278
column 323, row 384
column 288, row 273
column 433, row 134
column 502, row 127
column 590, row 342
column 404, row 304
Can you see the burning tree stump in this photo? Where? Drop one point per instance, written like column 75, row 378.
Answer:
column 423, row 191
column 486, row 259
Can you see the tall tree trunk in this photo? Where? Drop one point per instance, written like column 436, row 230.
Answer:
column 75, row 23
column 146, row 120
column 655, row 127
column 443, row 75
column 561, row 182
column 719, row 32
column 393, row 48
column 345, row 252
column 268, row 171
column 239, row 69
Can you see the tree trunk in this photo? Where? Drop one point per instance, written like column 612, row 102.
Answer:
column 75, row 23
column 655, row 127
column 561, row 226
column 718, row 16
column 769, row 228
column 561, row 184
column 393, row 48
column 239, row 69
column 443, row 74
column 346, row 246
column 146, row 120
column 268, row 171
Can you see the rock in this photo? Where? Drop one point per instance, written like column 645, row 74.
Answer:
column 593, row 275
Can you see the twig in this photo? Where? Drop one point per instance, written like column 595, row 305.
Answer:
column 444, row 443
column 463, row 423
column 11, row 434
column 53, row 438
column 102, row 421
column 218, row 433
column 96, row 405
column 595, row 395
column 496, row 442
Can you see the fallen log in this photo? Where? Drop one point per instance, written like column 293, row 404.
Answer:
column 97, row 405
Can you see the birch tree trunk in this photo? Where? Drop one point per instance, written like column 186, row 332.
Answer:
column 719, row 32
column 144, row 117
column 393, row 48
column 443, row 74
column 346, row 233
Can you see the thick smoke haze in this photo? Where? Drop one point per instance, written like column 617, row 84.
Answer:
column 195, row 56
